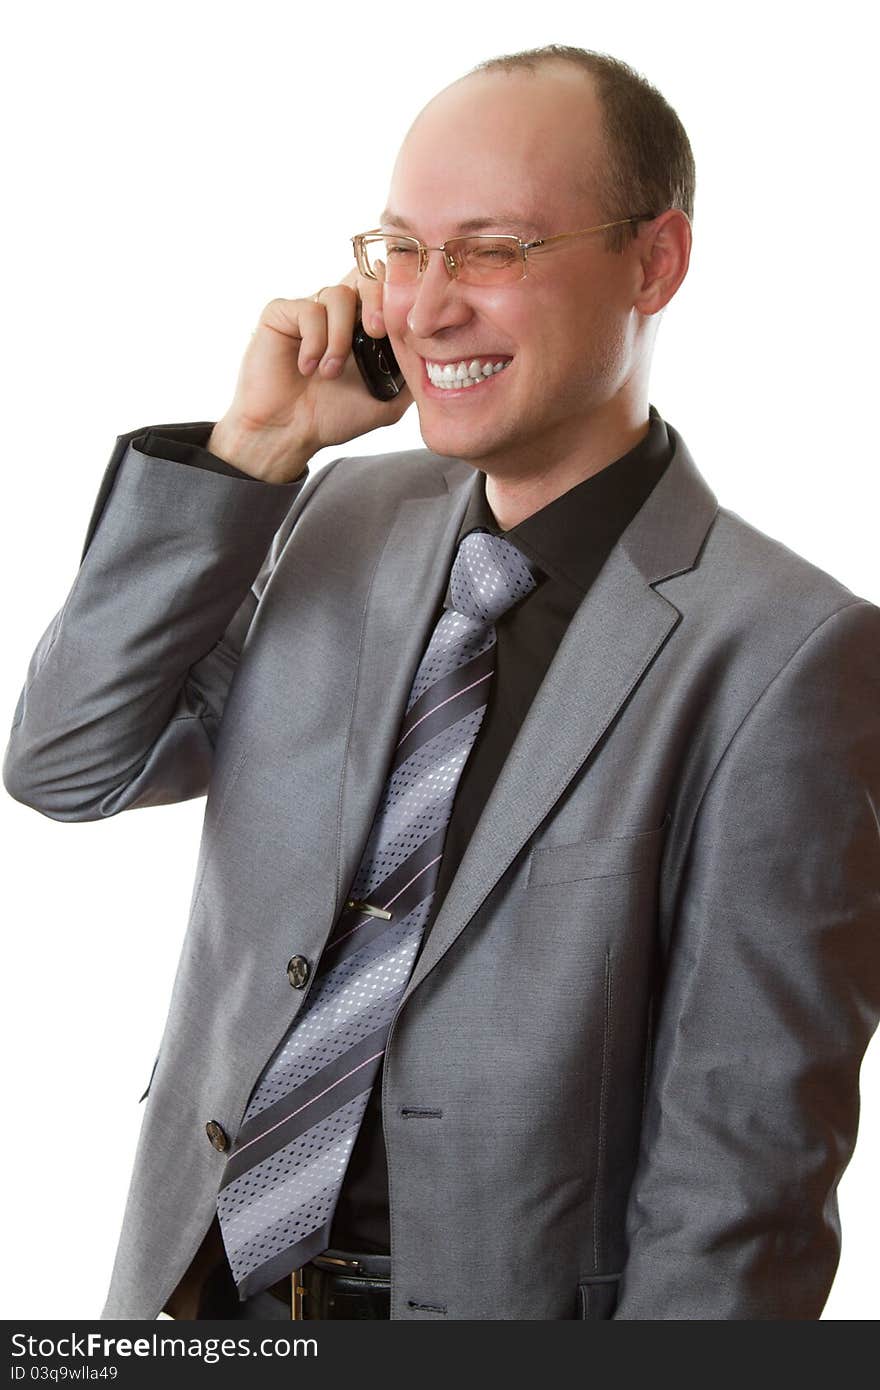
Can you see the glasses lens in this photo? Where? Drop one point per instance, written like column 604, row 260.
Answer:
column 487, row 260
column 393, row 258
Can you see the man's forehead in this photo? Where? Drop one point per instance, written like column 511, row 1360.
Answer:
column 490, row 219
column 527, row 158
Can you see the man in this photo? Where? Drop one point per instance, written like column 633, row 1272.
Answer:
column 533, row 945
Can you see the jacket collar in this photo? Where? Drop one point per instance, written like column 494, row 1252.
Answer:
column 571, row 536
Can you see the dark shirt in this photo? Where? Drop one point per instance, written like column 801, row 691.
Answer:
column 569, row 539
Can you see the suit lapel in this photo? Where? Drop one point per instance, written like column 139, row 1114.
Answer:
column 409, row 582
column 614, row 636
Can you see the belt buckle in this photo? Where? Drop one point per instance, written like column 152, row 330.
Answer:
column 297, row 1290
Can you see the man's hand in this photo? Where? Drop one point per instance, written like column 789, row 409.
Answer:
column 299, row 388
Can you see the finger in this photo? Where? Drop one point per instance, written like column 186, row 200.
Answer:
column 313, row 331
column 340, row 303
column 370, row 292
column 300, row 320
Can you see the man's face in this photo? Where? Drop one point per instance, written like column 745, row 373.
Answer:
column 511, row 149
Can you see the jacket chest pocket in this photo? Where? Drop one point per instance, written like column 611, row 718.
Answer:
column 615, row 857
column 597, row 1297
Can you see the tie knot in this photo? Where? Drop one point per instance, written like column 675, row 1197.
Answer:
column 488, row 575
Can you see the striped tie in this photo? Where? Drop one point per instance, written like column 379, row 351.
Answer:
column 284, row 1173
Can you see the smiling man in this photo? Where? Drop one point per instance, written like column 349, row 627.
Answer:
column 576, row 331
column 534, row 945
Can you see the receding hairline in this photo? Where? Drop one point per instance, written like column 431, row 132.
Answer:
column 553, row 65
column 528, row 222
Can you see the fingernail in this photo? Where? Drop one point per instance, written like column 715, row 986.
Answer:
column 332, row 364
column 376, row 322
column 308, row 364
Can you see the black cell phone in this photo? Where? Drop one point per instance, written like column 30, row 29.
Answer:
column 377, row 363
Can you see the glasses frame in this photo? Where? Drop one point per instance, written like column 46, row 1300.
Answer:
column 524, row 247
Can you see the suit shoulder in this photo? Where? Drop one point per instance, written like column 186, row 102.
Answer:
column 404, row 470
column 750, row 601
column 751, row 566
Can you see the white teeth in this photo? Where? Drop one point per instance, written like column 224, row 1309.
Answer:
column 459, row 375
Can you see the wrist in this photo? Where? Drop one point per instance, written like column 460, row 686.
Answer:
column 258, row 452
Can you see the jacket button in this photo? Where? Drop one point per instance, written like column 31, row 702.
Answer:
column 217, row 1135
column 298, row 971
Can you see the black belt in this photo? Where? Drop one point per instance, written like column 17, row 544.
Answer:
column 339, row 1284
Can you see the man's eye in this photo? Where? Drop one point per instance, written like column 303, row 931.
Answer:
column 496, row 255
column 396, row 250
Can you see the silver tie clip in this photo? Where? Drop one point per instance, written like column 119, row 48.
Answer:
column 368, row 907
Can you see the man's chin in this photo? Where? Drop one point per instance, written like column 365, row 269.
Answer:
column 459, row 441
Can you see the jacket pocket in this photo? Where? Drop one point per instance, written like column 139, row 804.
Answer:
column 597, row 1297
column 604, row 858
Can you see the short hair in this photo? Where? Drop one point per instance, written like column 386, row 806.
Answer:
column 649, row 165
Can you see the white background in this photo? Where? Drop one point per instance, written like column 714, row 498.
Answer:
column 161, row 165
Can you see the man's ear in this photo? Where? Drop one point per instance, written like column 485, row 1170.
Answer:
column 664, row 252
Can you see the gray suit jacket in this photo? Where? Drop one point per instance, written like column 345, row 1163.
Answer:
column 623, row 1079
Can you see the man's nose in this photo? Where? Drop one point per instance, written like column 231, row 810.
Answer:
column 437, row 300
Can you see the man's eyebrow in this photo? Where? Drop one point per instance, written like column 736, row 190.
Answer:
column 473, row 224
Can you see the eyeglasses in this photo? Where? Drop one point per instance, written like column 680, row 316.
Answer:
column 472, row 260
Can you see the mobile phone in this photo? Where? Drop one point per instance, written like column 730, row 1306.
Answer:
column 377, row 363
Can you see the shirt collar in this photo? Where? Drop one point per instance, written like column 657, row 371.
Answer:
column 564, row 536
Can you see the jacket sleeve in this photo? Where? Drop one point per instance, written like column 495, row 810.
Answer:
column 125, row 691
column 771, row 994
